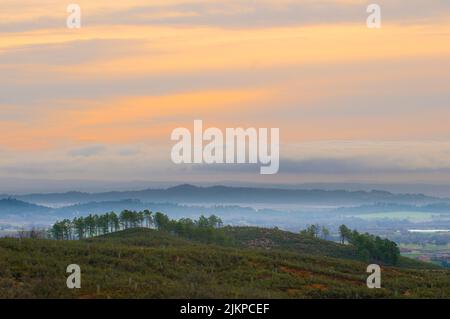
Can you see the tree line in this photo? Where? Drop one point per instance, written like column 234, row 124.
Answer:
column 370, row 247
column 205, row 229
column 96, row 225
column 316, row 231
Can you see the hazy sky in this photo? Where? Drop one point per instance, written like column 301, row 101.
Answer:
column 99, row 103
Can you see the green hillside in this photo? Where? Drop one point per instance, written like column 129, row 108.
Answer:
column 275, row 239
column 256, row 263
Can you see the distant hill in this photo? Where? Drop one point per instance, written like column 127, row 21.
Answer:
column 395, row 207
column 144, row 263
column 101, row 207
column 223, row 194
column 175, row 210
column 14, row 207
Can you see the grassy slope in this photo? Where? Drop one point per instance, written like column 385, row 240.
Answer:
column 274, row 239
column 145, row 263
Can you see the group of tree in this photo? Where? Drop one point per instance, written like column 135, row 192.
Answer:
column 370, row 247
column 316, row 231
column 95, row 225
column 205, row 229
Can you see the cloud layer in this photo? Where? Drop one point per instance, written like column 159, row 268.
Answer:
column 351, row 103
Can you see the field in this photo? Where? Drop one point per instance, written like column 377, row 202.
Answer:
column 261, row 263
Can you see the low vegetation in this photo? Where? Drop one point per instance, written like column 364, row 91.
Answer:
column 200, row 259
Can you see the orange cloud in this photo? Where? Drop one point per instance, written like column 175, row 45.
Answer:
column 196, row 49
column 124, row 120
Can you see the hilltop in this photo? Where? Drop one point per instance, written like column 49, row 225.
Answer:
column 257, row 263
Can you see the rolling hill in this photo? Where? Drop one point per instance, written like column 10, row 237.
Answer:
column 257, row 263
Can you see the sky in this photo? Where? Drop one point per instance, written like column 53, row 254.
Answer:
column 99, row 103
